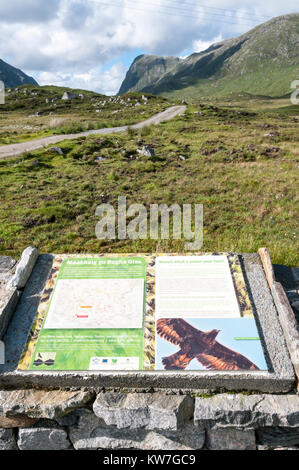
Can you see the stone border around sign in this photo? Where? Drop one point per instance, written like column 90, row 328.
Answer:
column 16, row 277
column 279, row 379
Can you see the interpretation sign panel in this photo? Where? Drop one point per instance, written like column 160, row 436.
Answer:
column 144, row 312
column 199, row 324
column 195, row 286
column 95, row 317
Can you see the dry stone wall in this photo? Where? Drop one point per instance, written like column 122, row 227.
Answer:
column 84, row 420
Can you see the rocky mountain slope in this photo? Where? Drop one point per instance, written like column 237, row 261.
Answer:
column 263, row 61
column 146, row 70
column 13, row 77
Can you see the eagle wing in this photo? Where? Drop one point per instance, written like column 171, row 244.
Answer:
column 177, row 361
column 222, row 358
column 175, row 330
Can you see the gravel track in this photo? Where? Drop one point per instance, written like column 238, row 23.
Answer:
column 13, row 150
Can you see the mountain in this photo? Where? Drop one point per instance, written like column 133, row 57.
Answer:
column 146, row 71
column 263, row 61
column 14, row 77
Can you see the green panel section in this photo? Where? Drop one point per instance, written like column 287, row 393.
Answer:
column 73, row 349
column 103, row 268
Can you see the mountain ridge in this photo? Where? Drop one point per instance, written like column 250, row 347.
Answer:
column 12, row 76
column 264, row 60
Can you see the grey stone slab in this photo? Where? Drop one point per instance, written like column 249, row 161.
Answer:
column 231, row 439
column 242, row 411
column 296, row 274
column 288, row 323
column 284, row 275
column 286, row 448
column 20, row 421
column 260, row 447
column 20, row 324
column 278, row 437
column 7, row 440
column 91, row 432
column 24, row 268
column 144, row 410
column 8, row 303
column 43, row 439
column 42, row 404
column 279, row 377
column 70, row 419
column 6, row 264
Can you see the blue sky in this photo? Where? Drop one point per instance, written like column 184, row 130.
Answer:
column 230, row 328
column 91, row 43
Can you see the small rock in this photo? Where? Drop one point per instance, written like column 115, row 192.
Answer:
column 271, row 134
column 147, row 151
column 57, row 150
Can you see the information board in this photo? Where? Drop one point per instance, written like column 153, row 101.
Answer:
column 144, row 312
column 199, row 324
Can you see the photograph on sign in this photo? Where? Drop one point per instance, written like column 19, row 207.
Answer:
column 208, row 344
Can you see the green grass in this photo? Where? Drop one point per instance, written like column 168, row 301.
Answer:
column 18, row 122
column 272, row 80
column 247, row 183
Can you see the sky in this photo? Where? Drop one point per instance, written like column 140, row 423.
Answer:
column 90, row 44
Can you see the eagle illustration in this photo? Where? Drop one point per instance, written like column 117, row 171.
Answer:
column 198, row 344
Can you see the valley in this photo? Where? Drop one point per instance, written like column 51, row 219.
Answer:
column 238, row 156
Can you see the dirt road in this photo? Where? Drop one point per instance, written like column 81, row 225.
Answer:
column 13, row 150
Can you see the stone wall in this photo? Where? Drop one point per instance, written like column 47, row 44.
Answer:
column 58, row 419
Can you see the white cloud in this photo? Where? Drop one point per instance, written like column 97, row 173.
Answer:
column 106, row 81
column 72, row 42
column 198, row 45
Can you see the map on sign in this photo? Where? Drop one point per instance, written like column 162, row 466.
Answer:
column 96, row 303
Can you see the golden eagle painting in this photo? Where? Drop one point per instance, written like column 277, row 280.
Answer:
column 200, row 345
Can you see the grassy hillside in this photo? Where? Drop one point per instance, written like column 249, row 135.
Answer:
column 240, row 159
column 31, row 112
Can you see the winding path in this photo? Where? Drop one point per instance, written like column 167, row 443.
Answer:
column 13, row 150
